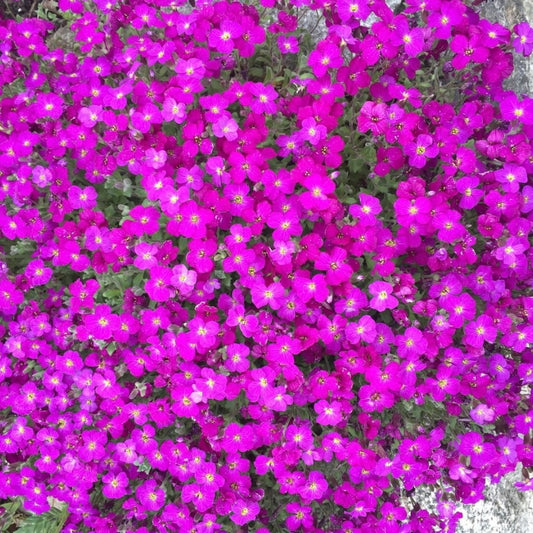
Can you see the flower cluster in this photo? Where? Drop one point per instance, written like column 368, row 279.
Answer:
column 249, row 282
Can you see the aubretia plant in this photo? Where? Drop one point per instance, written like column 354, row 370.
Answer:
column 250, row 282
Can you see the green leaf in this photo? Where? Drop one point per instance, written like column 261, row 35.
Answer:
column 49, row 522
column 269, row 75
column 11, row 507
column 369, row 154
column 257, row 73
column 111, row 294
column 138, row 280
column 355, row 165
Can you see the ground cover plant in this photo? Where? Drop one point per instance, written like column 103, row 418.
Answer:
column 250, row 282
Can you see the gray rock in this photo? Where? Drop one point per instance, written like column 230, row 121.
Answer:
column 503, row 509
column 508, row 13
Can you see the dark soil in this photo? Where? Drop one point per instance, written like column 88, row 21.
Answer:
column 12, row 9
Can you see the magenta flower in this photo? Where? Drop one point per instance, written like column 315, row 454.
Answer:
column 362, row 330
column 523, row 42
column 445, row 19
column 315, row 486
column 48, row 105
column 334, row 263
column 203, row 332
column 90, row 116
column 482, row 414
column 261, row 98
column 93, row 445
column 420, row 150
column 468, row 49
column 460, row 471
column 499, row 367
column 150, row 495
column 46, row 461
column 202, row 497
column 237, row 358
column 143, row 118
column 317, row 195
column 191, row 221
column 449, row 227
column 373, row 116
column 146, row 256
column 329, row 414
column 145, row 221
column 221, row 39
column 382, row 296
column 300, row 516
column 244, row 511
column 82, row 198
column 325, row 56
column 183, row 279
column 351, row 11
column 481, row 453
column 83, row 295
column 288, row 44
column 101, row 323
column 519, row 339
column 285, row 225
column 412, row 343
column 460, row 309
column 283, row 252
column 158, row 286
column 277, row 399
column 512, row 108
column 412, row 40
column 367, row 210
column 211, row 385
column 372, row 399
column 125, row 451
column 37, row 273
column 98, row 239
column 443, row 384
column 155, row 158
column 511, row 250
column 226, row 127
column 480, row 331
column 312, row 131
column 314, row 288
column 173, row 111
column 471, row 195
column 271, row 295
column 511, row 176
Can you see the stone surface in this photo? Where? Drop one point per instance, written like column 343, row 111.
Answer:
column 508, row 13
column 504, row 509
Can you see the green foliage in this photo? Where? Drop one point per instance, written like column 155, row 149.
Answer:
column 13, row 521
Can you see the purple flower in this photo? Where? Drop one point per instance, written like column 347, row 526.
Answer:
column 155, row 158
column 329, row 414
column 482, row 414
column 420, row 150
column 150, row 495
column 173, row 111
column 481, row 453
column 315, row 486
column 244, row 511
column 382, row 296
column 115, row 485
column 523, row 42
column 226, row 127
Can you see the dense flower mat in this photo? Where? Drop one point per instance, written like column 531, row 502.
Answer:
column 250, row 282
